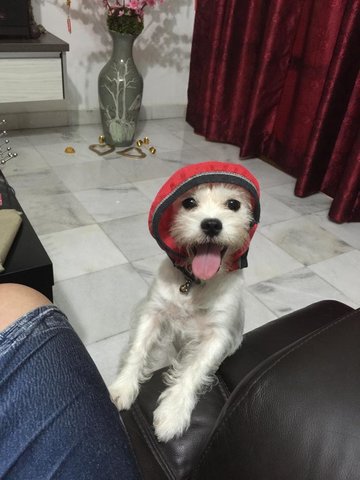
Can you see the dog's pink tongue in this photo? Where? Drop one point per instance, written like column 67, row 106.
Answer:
column 206, row 261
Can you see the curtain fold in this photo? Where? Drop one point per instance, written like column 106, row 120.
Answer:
column 342, row 178
column 230, row 60
column 281, row 79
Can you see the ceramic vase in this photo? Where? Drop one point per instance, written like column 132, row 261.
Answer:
column 120, row 92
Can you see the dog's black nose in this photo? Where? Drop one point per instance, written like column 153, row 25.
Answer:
column 211, row 226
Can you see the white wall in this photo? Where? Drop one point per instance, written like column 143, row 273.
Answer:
column 161, row 52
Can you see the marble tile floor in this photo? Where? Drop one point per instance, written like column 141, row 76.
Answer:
column 91, row 215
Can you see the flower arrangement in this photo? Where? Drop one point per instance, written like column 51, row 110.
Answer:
column 127, row 16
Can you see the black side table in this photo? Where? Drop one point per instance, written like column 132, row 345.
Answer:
column 27, row 261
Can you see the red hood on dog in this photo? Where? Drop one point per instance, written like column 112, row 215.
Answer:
column 161, row 211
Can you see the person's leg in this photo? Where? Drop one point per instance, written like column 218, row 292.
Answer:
column 56, row 417
column 16, row 300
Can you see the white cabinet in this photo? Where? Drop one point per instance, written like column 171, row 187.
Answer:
column 32, row 70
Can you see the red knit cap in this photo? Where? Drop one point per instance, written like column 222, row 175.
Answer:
column 186, row 178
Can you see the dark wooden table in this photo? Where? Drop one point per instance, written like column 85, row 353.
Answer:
column 27, row 262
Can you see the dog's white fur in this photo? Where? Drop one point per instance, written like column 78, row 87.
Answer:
column 205, row 325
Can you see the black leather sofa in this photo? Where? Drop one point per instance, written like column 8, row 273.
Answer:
column 286, row 407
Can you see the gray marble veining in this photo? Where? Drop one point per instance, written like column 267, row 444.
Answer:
column 305, row 241
column 96, row 174
column 109, row 203
column 343, row 272
column 54, row 213
column 295, row 290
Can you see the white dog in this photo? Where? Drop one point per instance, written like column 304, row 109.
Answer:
column 201, row 313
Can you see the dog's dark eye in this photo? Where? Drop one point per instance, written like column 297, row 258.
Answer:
column 189, row 203
column 233, row 205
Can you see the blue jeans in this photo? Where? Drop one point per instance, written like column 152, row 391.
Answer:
column 56, row 417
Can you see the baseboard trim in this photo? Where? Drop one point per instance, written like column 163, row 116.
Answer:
column 62, row 118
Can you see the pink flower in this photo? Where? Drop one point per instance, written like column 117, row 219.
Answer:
column 134, row 4
column 118, row 8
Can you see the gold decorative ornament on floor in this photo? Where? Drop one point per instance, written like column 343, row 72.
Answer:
column 141, row 143
column 69, row 149
column 145, row 144
column 101, row 148
column 126, row 152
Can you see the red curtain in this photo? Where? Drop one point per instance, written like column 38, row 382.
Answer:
column 280, row 78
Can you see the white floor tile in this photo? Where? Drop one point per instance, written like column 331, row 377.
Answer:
column 220, row 152
column 110, row 203
column 256, row 313
column 132, row 236
column 96, row 174
column 136, row 170
column 343, row 272
column 295, row 290
column 148, row 267
column 149, row 128
column 304, row 206
column 54, row 213
column 274, row 211
column 107, row 354
column 266, row 260
column 150, row 187
column 18, row 139
column 27, row 161
column 191, row 140
column 54, row 153
column 38, row 182
column 50, row 136
column 174, row 125
column 348, row 232
column 99, row 305
column 304, row 240
column 81, row 251
column 186, row 155
column 267, row 175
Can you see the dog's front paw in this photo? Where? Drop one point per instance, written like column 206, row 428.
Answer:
column 123, row 393
column 172, row 417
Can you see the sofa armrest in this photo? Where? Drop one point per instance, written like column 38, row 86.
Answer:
column 297, row 415
column 173, row 459
column 263, row 342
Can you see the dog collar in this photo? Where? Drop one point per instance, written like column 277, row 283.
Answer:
column 185, row 287
column 186, row 178
column 190, row 279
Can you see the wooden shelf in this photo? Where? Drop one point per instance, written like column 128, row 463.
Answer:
column 47, row 42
